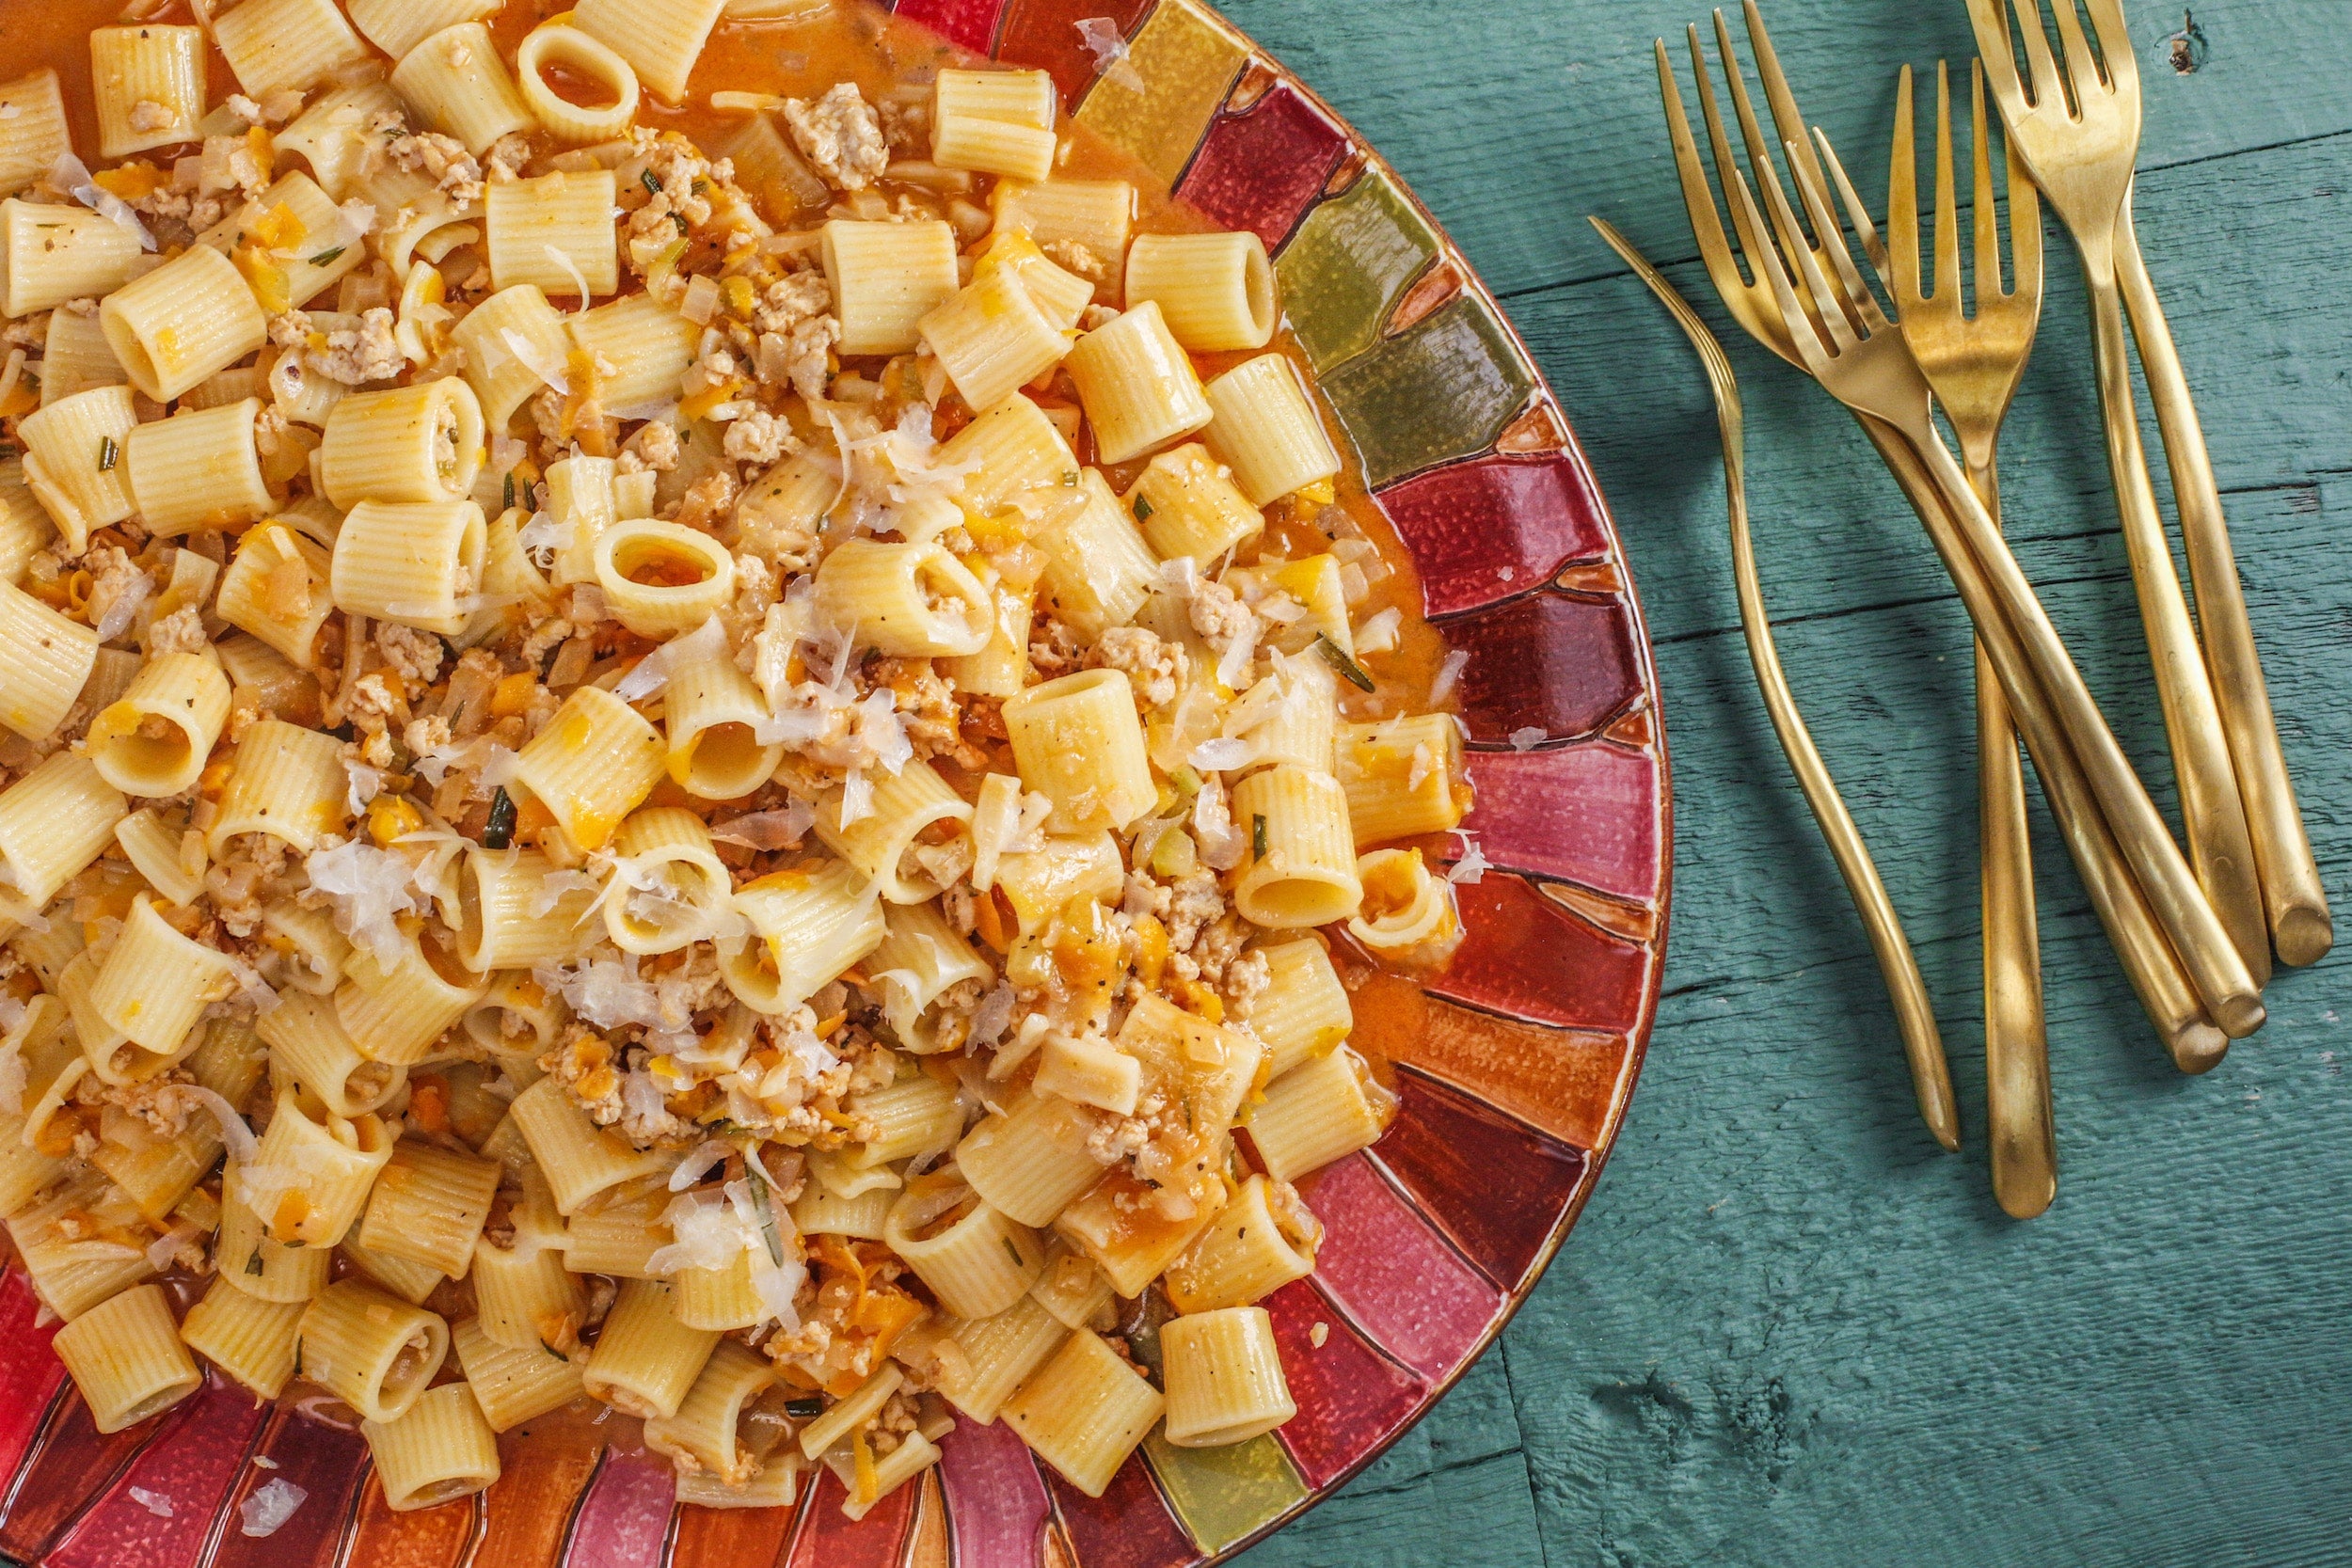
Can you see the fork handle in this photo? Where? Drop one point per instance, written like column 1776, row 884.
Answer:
column 2158, row 976
column 1914, row 1014
column 2219, row 846
column 2291, row 895
column 2019, row 1133
column 2220, row 975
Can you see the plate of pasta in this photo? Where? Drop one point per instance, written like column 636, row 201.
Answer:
column 779, row 785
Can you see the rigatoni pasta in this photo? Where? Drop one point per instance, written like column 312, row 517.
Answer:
column 148, row 82
column 50, row 254
column 662, row 752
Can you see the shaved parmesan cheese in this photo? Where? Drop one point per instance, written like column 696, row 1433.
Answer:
column 545, row 366
column 1449, row 677
column 270, row 1506
column 545, row 537
column 154, row 1502
column 1379, row 634
column 698, row 1163
column 1528, row 738
column 651, row 677
column 767, row 831
column 369, row 889
column 1474, row 865
column 1100, row 37
column 1223, row 756
column 857, row 797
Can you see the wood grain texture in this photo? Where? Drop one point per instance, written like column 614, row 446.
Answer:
column 1787, row 1331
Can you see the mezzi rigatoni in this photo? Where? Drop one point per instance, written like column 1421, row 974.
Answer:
column 54, row 822
column 178, row 326
column 440, row 1448
column 398, row 27
column 126, row 1357
column 554, row 232
column 1138, row 384
column 1216, row 292
column 276, row 45
column 148, row 85
column 154, row 740
column 34, row 133
column 887, row 277
column 455, row 82
column 50, row 254
column 660, row 38
column 199, row 470
column 73, row 458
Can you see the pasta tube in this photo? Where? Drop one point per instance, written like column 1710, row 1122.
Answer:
column 1301, row 866
column 186, row 321
column 441, row 1448
column 154, row 740
column 126, row 1357
column 1215, row 291
column 374, row 1352
column 1268, row 431
column 592, row 765
column 1224, row 1378
column 1078, row 742
column 1137, row 385
column 417, row 564
column 1321, row 1112
column 420, row 443
column 1084, row 1412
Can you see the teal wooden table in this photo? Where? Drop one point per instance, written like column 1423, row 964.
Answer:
column 1787, row 1330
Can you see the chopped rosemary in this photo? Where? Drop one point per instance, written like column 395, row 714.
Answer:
column 500, row 833
column 802, row 1410
column 507, row 502
column 108, row 453
column 644, row 177
column 327, row 258
column 1014, row 1253
column 1257, row 835
column 1143, row 509
column 1337, row 658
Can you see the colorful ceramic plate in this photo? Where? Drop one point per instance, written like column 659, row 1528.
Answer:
column 1514, row 1068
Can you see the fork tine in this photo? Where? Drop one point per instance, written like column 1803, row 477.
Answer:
column 1759, row 146
column 1872, row 247
column 1990, row 21
column 1988, row 220
column 1707, row 223
column 1824, row 220
column 1810, row 350
column 1948, row 279
column 2115, row 43
column 1902, row 202
column 2049, row 84
column 1842, row 337
column 1786, row 120
column 2082, row 70
column 2025, row 229
column 1761, row 152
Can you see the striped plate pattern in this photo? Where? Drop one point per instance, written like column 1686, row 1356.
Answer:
column 1520, row 1059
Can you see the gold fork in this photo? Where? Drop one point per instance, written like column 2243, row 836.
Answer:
column 2157, row 976
column 1863, row 361
column 2077, row 132
column 1973, row 363
column 1914, row 1015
